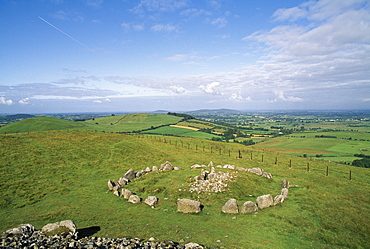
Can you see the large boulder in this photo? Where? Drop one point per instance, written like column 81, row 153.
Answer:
column 188, row 206
column 130, row 174
column 248, row 207
column 166, row 166
column 134, row 199
column 151, row 200
column 21, row 230
column 126, row 193
column 264, row 201
column 230, row 207
column 64, row 227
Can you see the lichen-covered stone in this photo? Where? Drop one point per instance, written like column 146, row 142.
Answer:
column 188, row 206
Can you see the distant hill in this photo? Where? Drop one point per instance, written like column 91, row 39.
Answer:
column 215, row 111
column 40, row 124
column 122, row 123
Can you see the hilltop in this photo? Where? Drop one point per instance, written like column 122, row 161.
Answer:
column 56, row 175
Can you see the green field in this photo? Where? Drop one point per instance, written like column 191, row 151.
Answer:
column 183, row 132
column 55, row 175
column 122, row 123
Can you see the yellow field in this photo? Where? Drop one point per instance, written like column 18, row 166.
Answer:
column 185, row 127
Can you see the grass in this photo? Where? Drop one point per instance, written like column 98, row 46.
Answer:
column 168, row 130
column 122, row 123
column 56, row 175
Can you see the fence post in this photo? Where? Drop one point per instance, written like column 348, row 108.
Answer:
column 308, row 167
column 240, row 155
column 350, row 175
column 290, row 163
column 327, row 170
column 276, row 160
column 262, row 157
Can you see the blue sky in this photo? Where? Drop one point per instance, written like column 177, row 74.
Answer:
column 181, row 55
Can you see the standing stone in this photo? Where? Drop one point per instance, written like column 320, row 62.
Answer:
column 267, row 175
column 123, row 181
column 210, row 164
column 188, row 206
column 147, row 169
column 116, row 192
column 278, row 199
column 249, row 207
column 284, row 192
column 134, row 199
column 231, row 207
column 126, row 193
column 151, row 200
column 111, row 185
column 264, row 201
column 166, row 166
column 154, row 168
column 130, row 174
column 285, row 184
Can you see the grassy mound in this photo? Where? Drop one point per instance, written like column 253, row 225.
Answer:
column 57, row 175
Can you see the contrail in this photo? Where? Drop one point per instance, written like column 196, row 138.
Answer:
column 64, row 33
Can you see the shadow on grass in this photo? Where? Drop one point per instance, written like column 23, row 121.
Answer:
column 88, row 231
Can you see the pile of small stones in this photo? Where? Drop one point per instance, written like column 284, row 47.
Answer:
column 212, row 181
column 37, row 240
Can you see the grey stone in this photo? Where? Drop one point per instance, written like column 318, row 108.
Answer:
column 264, row 201
column 147, row 169
column 231, row 207
column 151, row 200
column 176, row 168
column 130, row 174
column 284, row 192
column 285, row 184
column 267, row 175
column 117, row 193
column 55, row 227
column 111, row 184
column 154, row 168
column 278, row 199
column 123, row 181
column 23, row 229
column 188, row 206
column 134, row 199
column 166, row 166
column 126, row 193
column 210, row 164
column 257, row 171
column 193, row 245
column 248, row 207
column 240, row 169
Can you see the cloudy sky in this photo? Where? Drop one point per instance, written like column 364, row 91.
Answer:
column 180, row 55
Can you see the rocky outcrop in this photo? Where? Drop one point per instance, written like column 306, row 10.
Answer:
column 166, row 166
column 188, row 206
column 230, row 207
column 63, row 227
column 248, row 207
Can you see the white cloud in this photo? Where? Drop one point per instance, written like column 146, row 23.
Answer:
column 159, row 5
column 219, row 22
column 132, row 26
column 24, row 101
column 98, row 101
column 210, row 88
column 163, row 27
column 281, row 96
column 177, row 89
column 5, row 101
column 237, row 97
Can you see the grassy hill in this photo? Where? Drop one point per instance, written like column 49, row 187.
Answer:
column 122, row 123
column 56, row 175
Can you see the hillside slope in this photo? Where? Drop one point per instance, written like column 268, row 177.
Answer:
column 57, row 175
column 122, row 123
